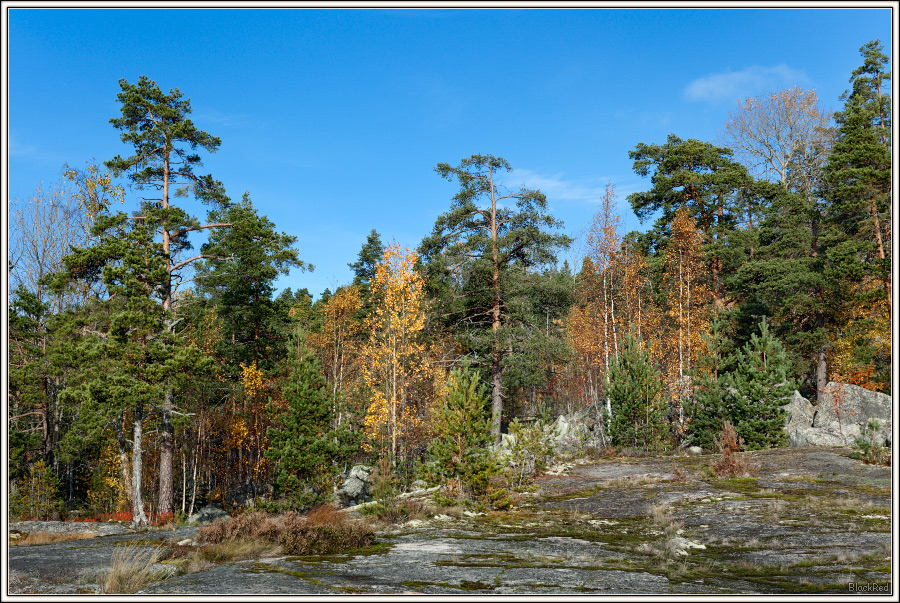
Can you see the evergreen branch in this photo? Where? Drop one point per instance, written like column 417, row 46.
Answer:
column 87, row 331
column 198, row 257
column 515, row 249
column 27, row 414
column 217, row 225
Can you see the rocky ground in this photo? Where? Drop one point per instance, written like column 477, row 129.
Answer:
column 814, row 521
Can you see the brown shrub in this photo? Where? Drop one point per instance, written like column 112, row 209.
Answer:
column 728, row 442
column 679, row 475
column 248, row 526
column 323, row 531
column 324, row 515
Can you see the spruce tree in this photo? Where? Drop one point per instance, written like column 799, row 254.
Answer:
column 364, row 267
column 858, row 171
column 306, row 451
column 759, row 388
column 858, row 178
column 634, row 392
column 238, row 276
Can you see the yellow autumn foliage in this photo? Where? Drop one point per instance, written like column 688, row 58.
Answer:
column 689, row 300
column 252, row 380
column 867, row 325
column 396, row 360
column 95, row 190
column 108, row 494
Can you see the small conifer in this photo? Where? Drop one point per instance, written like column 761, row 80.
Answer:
column 635, row 386
column 760, row 388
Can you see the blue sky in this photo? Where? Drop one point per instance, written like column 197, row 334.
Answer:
column 333, row 119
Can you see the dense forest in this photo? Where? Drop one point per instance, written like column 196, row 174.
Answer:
column 147, row 377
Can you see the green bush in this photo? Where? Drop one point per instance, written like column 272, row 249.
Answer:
column 867, row 450
column 386, row 491
column 758, row 390
column 706, row 409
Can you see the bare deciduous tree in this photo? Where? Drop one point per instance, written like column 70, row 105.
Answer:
column 781, row 136
column 45, row 226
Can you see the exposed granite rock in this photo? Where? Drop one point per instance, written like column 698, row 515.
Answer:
column 57, row 527
column 610, row 526
column 839, row 418
column 208, row 514
column 356, row 487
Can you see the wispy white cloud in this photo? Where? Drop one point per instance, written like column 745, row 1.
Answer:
column 556, row 187
column 33, row 154
column 732, row 85
column 17, row 149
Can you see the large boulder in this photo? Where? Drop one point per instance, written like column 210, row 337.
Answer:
column 575, row 432
column 208, row 514
column 356, row 486
column 839, row 418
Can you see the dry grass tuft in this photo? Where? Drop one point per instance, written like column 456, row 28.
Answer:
column 131, row 568
column 667, row 546
column 35, row 538
column 322, row 531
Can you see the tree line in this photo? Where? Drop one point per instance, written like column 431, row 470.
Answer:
column 146, row 377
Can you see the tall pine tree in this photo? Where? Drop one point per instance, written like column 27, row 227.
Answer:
column 475, row 248
column 165, row 141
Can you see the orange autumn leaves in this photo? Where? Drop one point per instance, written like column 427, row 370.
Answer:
column 617, row 292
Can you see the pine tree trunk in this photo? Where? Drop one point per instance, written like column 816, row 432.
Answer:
column 183, row 481
column 881, row 254
column 680, row 320
column 124, row 477
column 496, row 395
column 497, row 354
column 138, row 517
column 166, row 458
column 166, row 449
